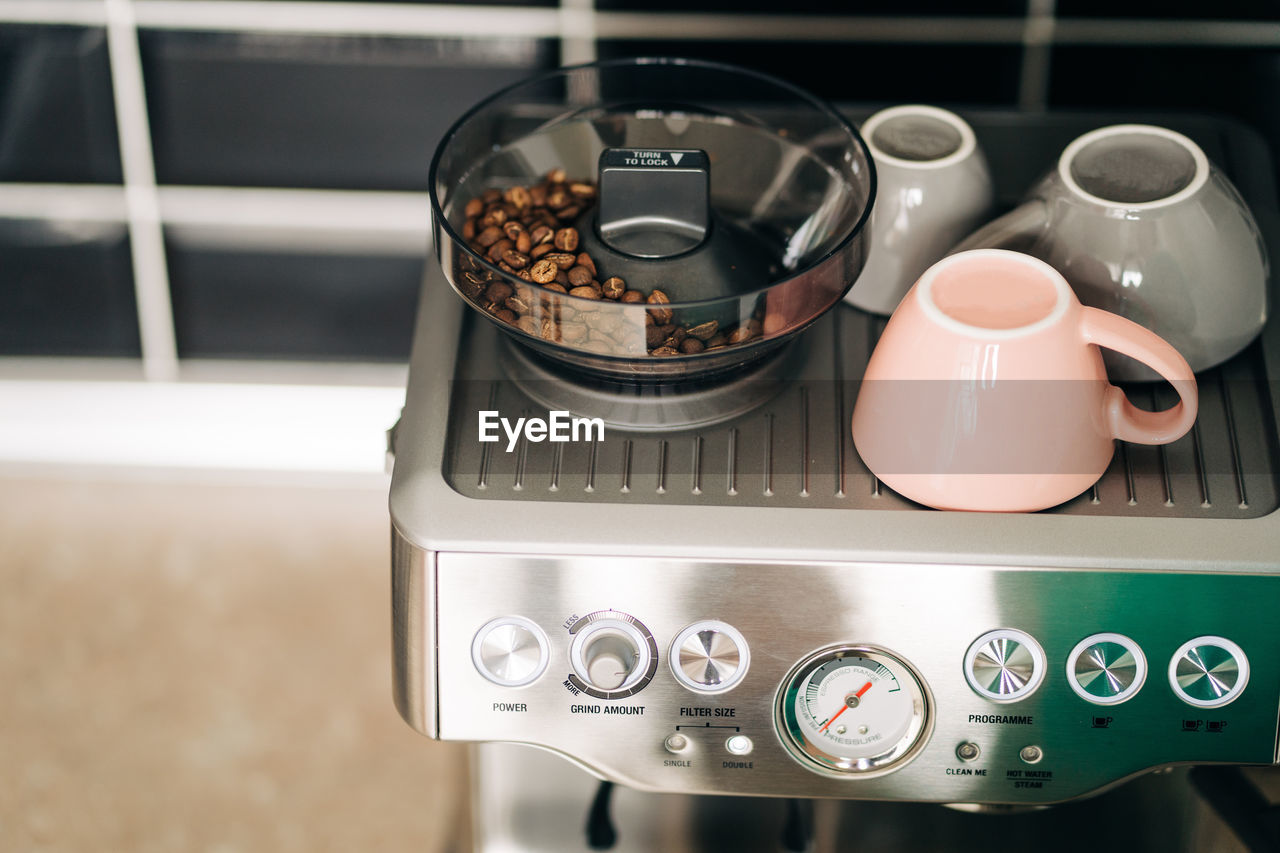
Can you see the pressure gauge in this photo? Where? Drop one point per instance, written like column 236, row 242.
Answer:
column 853, row 711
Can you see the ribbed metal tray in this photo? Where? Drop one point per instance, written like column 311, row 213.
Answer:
column 796, row 450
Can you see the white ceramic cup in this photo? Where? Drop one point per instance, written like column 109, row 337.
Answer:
column 1142, row 224
column 932, row 187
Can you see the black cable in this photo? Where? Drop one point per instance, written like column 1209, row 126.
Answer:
column 797, row 832
column 600, row 832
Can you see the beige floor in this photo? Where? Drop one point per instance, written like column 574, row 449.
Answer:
column 205, row 668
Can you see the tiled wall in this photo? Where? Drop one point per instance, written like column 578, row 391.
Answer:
column 211, row 179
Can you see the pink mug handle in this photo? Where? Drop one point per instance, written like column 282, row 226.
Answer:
column 1126, row 421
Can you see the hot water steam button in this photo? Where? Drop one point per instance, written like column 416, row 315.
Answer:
column 510, row 651
column 709, row 657
column 1208, row 672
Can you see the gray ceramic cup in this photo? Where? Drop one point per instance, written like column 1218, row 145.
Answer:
column 932, row 188
column 1141, row 224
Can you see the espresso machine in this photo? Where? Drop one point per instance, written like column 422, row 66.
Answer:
column 637, row 560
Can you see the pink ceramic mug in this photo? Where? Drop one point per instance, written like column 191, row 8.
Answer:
column 987, row 389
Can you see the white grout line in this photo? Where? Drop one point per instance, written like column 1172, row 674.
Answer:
column 1037, row 54
column 146, row 240
column 573, row 20
column 577, row 32
column 88, row 13
column 1089, row 31
column 383, row 19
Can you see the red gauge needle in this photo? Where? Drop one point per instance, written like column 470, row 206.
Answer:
column 845, row 706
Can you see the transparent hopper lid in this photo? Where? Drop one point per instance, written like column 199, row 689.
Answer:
column 652, row 218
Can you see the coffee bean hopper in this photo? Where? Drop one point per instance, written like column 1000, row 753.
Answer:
column 703, row 591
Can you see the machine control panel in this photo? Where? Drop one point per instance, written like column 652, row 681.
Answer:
column 825, row 681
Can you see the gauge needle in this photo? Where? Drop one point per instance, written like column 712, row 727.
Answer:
column 845, row 706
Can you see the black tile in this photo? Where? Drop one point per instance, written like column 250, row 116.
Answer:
column 888, row 73
column 347, row 113
column 1220, row 10
column 892, row 8
column 1241, row 83
column 66, row 289
column 57, row 116
column 292, row 304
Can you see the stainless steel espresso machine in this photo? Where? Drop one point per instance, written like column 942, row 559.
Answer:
column 633, row 542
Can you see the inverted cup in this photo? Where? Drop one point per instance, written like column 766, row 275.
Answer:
column 1145, row 226
column 933, row 187
column 987, row 389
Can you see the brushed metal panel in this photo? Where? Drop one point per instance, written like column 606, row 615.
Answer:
column 413, row 635
column 927, row 615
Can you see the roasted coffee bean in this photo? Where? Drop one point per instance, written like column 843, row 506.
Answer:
column 563, row 278
column 495, row 251
column 568, row 214
column 518, row 197
column 557, row 198
column 705, row 331
column 515, row 259
column 555, row 286
column 498, row 292
column 628, row 296
column 557, row 176
column 585, row 292
column 660, row 315
column 716, row 341
column 469, row 230
column 474, row 208
column 529, row 326
column 544, row 271
column 517, row 304
column 753, row 326
column 550, row 330
column 584, row 261
column 539, row 251
column 489, row 236
column 653, row 336
column 564, row 260
column 524, row 274
column 542, row 234
column 692, row 346
column 506, row 315
column 740, row 335
column 494, row 216
column 615, row 288
column 664, row 351
column 573, row 332
column 579, row 276
column 506, row 267
column 679, row 334
column 523, row 243
column 583, row 190
column 512, row 229
column 538, row 195
column 567, row 240
column 491, row 196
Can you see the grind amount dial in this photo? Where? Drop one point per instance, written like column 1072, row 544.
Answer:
column 612, row 654
column 853, row 711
